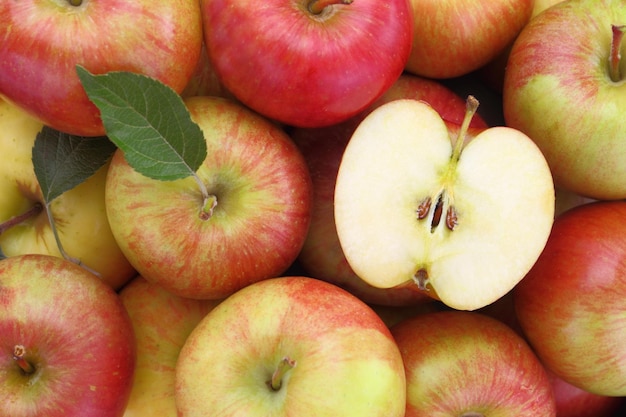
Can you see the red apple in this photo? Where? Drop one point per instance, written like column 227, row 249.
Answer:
column 571, row 303
column 290, row 346
column 455, row 37
column 42, row 42
column 308, row 62
column 467, row 364
column 321, row 255
column 162, row 322
column 67, row 347
column 260, row 189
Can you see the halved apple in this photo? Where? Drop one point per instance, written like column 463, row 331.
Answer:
column 462, row 221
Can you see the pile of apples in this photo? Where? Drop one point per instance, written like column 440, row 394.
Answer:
column 312, row 208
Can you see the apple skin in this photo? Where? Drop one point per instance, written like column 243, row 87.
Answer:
column 77, row 335
column 572, row 401
column 42, row 42
column 263, row 190
column 452, row 38
column 304, row 69
column 80, row 214
column 559, row 93
column 321, row 255
column 462, row 363
column 571, row 303
column 162, row 322
column 346, row 361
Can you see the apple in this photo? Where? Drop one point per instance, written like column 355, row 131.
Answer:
column 571, row 306
column 79, row 214
column 162, row 322
column 452, row 38
column 572, row 401
column 466, row 364
column 308, row 63
column 260, row 189
column 67, row 345
column 322, row 256
column 563, row 87
column 42, row 42
column 291, row 346
column 463, row 223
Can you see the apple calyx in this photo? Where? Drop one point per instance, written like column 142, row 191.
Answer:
column 316, row 7
column 19, row 353
column 14, row 221
column 285, row 365
column 615, row 55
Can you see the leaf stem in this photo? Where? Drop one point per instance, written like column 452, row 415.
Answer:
column 615, row 55
column 64, row 254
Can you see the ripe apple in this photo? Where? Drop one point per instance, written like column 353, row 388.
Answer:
column 321, row 255
column 466, row 364
column 463, row 223
column 42, row 42
column 572, row 401
column 452, row 38
column 261, row 192
column 563, row 87
column 79, row 214
column 571, row 304
column 291, row 346
column 308, row 63
column 67, row 344
column 162, row 322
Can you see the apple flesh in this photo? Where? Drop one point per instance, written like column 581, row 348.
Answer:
column 260, row 189
column 321, row 256
column 68, row 347
column 463, row 223
column 466, row 364
column 291, row 346
column 571, row 303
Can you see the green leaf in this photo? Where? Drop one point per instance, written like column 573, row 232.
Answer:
column 62, row 161
column 149, row 122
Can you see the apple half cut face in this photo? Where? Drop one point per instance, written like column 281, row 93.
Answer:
column 463, row 222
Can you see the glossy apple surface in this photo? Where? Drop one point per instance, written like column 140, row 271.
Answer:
column 560, row 90
column 79, row 214
column 344, row 361
column 41, row 42
column 452, row 38
column 262, row 190
column 467, row 364
column 75, row 335
column 571, row 303
column 162, row 322
column 308, row 63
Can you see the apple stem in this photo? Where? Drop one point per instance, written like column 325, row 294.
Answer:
column 19, row 351
column 471, row 106
column 209, row 201
column 317, row 6
column 75, row 3
column 615, row 55
column 14, row 221
column 62, row 251
column 285, row 365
